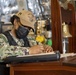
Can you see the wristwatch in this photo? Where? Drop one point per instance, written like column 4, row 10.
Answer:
column 26, row 51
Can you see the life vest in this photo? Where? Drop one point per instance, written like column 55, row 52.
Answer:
column 12, row 41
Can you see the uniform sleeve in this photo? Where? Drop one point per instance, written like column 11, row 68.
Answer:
column 6, row 50
column 32, row 40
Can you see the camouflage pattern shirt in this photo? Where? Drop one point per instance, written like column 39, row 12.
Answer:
column 6, row 50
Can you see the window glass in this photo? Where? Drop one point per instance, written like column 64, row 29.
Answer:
column 39, row 7
column 7, row 8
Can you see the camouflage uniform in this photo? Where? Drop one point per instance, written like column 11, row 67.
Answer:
column 7, row 50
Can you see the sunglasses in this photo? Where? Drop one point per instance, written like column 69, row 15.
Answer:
column 26, row 27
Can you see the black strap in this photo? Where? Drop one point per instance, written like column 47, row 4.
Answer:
column 26, row 42
column 10, row 39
